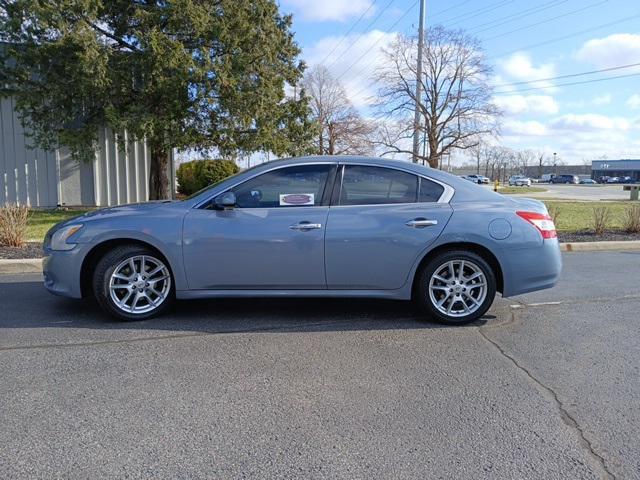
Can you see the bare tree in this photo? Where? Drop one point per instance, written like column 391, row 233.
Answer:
column 542, row 161
column 480, row 151
column 456, row 107
column 523, row 159
column 341, row 129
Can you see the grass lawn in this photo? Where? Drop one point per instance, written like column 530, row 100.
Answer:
column 509, row 190
column 576, row 216
column 42, row 220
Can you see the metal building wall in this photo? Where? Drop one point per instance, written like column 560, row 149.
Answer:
column 26, row 176
column 120, row 170
column 118, row 174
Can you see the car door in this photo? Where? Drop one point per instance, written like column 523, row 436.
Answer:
column 380, row 220
column 273, row 238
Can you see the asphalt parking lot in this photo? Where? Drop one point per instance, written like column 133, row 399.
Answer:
column 547, row 386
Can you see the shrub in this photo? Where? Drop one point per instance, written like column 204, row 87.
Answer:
column 631, row 220
column 13, row 225
column 198, row 174
column 600, row 219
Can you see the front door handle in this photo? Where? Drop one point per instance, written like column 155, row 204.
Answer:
column 304, row 226
column 421, row 223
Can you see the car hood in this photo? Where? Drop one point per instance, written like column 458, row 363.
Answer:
column 127, row 209
column 120, row 210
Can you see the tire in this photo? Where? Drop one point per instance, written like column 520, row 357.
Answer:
column 149, row 283
column 475, row 297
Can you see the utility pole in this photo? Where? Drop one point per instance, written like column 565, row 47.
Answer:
column 416, row 119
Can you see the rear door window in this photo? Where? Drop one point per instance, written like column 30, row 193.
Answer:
column 364, row 185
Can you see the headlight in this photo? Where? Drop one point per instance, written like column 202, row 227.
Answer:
column 59, row 238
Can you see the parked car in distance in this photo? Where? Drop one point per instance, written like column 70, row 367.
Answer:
column 519, row 181
column 546, row 178
column 603, row 179
column 626, row 179
column 480, row 179
column 613, row 180
column 311, row 227
column 565, row 179
column 588, row 181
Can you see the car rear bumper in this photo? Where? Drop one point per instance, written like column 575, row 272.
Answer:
column 533, row 269
column 61, row 272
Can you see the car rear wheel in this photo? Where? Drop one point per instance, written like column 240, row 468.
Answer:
column 456, row 287
column 133, row 283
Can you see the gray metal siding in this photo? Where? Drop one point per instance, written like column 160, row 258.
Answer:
column 119, row 173
column 27, row 175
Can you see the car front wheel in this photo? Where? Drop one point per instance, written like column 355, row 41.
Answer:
column 133, row 283
column 456, row 287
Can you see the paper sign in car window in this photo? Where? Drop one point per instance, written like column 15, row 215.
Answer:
column 296, row 199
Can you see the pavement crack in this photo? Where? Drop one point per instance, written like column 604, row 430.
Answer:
column 565, row 416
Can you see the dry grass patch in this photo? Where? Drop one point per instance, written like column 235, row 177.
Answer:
column 631, row 220
column 13, row 225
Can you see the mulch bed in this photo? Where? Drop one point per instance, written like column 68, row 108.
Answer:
column 30, row 250
column 587, row 236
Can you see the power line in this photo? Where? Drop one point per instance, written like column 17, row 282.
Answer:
column 583, row 82
column 487, row 8
column 570, row 75
column 349, row 31
column 371, row 23
column 374, row 44
column 458, row 5
column 564, row 37
column 547, row 20
column 515, row 16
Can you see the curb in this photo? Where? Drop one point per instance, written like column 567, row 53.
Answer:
column 600, row 246
column 27, row 265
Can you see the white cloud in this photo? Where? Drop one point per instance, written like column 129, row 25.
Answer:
column 518, row 104
column 354, row 62
column 616, row 49
column 590, row 122
column 519, row 66
column 529, row 128
column 633, row 102
column 328, row 10
column 600, row 100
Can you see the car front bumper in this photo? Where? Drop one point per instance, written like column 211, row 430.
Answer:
column 61, row 270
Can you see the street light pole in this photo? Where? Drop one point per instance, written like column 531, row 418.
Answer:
column 555, row 164
column 416, row 119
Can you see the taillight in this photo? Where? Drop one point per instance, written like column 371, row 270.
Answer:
column 541, row 221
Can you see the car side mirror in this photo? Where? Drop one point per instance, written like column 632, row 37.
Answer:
column 225, row 200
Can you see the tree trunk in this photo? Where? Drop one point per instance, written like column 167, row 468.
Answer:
column 159, row 188
column 540, row 160
column 331, row 139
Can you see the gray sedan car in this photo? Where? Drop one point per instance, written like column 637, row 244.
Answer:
column 312, row 227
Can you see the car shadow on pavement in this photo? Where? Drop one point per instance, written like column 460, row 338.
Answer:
column 28, row 305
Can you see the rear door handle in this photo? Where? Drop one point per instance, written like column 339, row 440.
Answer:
column 421, row 223
column 304, row 226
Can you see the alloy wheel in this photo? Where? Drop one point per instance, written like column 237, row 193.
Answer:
column 139, row 284
column 458, row 288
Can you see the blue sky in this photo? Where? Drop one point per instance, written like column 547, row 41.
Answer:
column 580, row 122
